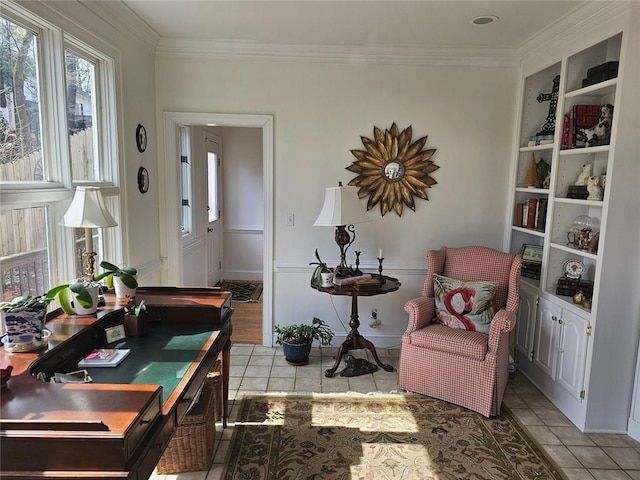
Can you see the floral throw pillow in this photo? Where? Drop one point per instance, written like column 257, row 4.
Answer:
column 464, row 305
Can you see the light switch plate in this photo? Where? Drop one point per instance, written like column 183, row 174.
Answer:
column 115, row 333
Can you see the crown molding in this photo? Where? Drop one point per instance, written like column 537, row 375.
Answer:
column 120, row 17
column 584, row 18
column 199, row 49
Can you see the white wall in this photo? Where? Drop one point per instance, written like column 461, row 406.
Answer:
column 320, row 111
column 243, row 203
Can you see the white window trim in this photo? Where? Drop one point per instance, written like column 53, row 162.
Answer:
column 57, row 189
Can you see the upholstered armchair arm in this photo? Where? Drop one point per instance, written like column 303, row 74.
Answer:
column 421, row 312
column 503, row 322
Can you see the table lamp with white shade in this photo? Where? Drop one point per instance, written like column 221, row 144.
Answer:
column 342, row 209
column 88, row 211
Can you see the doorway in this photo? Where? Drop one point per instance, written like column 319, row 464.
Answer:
column 172, row 201
column 213, row 190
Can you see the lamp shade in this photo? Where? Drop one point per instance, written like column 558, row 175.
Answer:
column 341, row 207
column 87, row 210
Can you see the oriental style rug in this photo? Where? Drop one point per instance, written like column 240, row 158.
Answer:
column 242, row 290
column 388, row 436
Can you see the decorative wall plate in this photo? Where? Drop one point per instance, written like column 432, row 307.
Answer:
column 573, row 268
column 393, row 170
column 143, row 180
column 141, row 138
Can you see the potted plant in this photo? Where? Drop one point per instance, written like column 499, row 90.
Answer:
column 24, row 318
column 77, row 297
column 296, row 340
column 122, row 280
column 322, row 275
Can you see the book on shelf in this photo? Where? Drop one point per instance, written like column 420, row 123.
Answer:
column 582, row 117
column 531, row 214
column 104, row 357
column 535, row 140
column 342, row 281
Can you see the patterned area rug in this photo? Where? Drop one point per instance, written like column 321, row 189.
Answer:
column 388, row 436
column 242, row 290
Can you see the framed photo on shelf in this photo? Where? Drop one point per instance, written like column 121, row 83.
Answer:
column 531, row 253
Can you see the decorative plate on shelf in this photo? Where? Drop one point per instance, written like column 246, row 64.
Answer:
column 573, row 268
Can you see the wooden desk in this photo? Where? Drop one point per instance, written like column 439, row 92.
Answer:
column 118, row 426
column 354, row 340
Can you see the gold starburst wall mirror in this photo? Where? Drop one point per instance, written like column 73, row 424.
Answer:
column 392, row 170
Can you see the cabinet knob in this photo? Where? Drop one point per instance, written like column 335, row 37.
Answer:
column 554, row 318
column 560, row 321
column 209, row 229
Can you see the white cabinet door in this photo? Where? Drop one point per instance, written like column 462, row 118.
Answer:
column 525, row 326
column 572, row 352
column 547, row 336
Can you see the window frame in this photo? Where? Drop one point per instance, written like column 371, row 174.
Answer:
column 57, row 189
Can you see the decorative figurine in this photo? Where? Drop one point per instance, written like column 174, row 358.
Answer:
column 595, row 190
column 578, row 298
column 587, row 171
column 532, row 180
column 600, row 133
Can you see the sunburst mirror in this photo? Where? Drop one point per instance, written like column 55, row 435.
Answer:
column 392, row 170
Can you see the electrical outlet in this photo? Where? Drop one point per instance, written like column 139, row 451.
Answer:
column 375, row 321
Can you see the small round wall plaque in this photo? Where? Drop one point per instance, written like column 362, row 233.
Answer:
column 141, row 138
column 143, row 180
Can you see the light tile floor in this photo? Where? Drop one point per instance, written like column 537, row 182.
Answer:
column 257, row 369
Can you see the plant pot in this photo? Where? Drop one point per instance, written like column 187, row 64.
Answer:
column 24, row 330
column 121, row 290
column 296, row 353
column 80, row 310
column 327, row 279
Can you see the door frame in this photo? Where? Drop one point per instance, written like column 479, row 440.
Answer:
column 169, row 174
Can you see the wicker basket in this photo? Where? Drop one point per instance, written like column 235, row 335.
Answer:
column 191, row 447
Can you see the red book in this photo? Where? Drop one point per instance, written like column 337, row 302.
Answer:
column 531, row 213
column 584, row 117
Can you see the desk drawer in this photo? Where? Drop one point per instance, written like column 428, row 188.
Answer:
column 142, row 424
column 159, row 444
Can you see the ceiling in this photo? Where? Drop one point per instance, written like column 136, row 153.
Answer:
column 394, row 23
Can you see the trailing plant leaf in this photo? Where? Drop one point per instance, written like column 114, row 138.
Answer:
column 126, row 274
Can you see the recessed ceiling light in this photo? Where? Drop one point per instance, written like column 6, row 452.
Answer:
column 484, row 19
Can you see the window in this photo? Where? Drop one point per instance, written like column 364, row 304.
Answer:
column 20, row 137
column 80, row 83
column 46, row 151
column 24, row 255
column 185, row 173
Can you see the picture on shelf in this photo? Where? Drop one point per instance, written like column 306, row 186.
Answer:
column 531, row 253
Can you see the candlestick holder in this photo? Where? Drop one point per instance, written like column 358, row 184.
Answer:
column 357, row 270
column 380, row 269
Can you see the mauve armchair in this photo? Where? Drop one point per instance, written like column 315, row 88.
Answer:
column 467, row 368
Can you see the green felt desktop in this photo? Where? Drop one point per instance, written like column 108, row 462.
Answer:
column 159, row 358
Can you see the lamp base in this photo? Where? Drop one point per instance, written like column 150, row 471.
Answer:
column 344, row 271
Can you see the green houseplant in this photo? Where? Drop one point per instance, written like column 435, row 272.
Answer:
column 296, row 340
column 79, row 296
column 321, row 267
column 122, row 279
